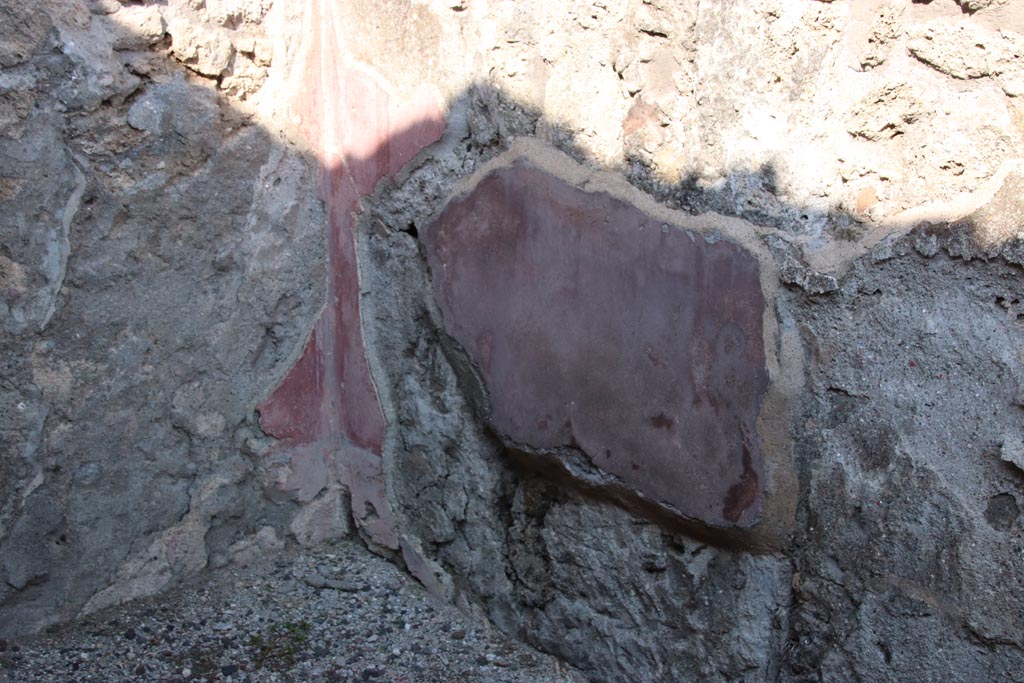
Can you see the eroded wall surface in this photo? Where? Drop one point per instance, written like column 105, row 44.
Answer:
column 161, row 255
column 681, row 340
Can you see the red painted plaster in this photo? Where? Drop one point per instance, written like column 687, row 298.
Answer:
column 361, row 131
column 598, row 328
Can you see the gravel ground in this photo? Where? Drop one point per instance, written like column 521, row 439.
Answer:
column 334, row 614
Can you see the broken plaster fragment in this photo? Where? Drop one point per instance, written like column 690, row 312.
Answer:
column 600, row 330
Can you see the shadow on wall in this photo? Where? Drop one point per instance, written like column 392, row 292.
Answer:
column 541, row 291
column 162, row 266
column 330, row 398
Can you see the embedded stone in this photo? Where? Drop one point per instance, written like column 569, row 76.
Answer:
column 598, row 329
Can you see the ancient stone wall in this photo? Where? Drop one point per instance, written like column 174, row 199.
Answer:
column 162, row 253
column 682, row 340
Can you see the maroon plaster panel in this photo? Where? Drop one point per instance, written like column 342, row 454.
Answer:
column 292, row 413
column 597, row 327
column 362, row 131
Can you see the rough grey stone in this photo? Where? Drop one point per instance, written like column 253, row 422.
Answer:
column 903, row 541
column 156, row 280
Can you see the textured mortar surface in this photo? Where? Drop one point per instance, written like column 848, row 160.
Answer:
column 900, row 448
column 162, row 257
column 907, row 528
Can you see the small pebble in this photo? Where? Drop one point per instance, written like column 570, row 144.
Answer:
column 315, row 580
column 345, row 585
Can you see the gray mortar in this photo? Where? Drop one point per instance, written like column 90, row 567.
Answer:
column 915, row 376
column 162, row 263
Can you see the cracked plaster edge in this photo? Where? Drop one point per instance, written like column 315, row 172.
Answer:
column 57, row 260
